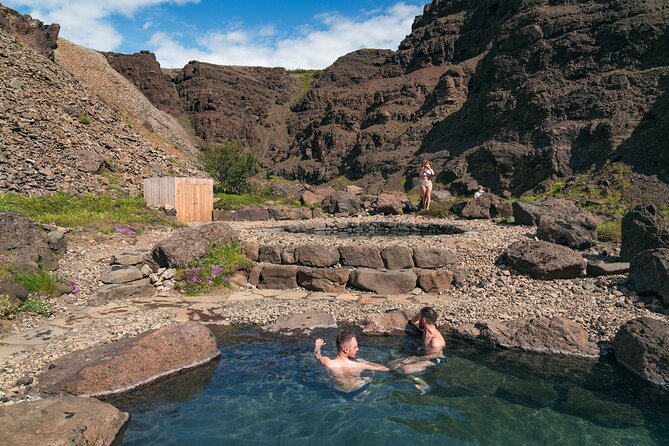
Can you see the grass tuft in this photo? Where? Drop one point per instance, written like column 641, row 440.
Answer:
column 36, row 305
column 610, row 231
column 40, row 281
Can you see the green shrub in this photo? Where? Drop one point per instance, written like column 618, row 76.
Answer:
column 36, row 305
column 437, row 210
column 6, row 307
column 230, row 165
column 213, row 270
column 609, row 231
column 84, row 119
column 40, row 281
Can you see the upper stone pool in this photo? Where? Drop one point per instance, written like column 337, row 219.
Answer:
column 271, row 391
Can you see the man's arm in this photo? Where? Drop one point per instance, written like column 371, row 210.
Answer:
column 317, row 351
column 415, row 321
column 372, row 366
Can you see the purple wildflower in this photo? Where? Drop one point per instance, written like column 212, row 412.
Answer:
column 74, row 288
column 216, row 271
column 125, row 231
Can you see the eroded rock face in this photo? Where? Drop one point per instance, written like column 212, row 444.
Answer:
column 35, row 34
column 544, row 260
column 74, row 421
column 129, row 363
column 649, row 273
column 643, row 228
column 642, row 345
column 191, row 243
column 540, row 335
column 24, row 243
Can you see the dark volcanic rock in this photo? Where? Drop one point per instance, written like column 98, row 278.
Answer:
column 575, row 230
column 541, row 335
column 367, row 256
column 434, row 281
column 600, row 268
column 23, row 242
column 643, row 228
column 317, row 255
column 486, row 206
column 74, row 421
column 383, row 282
column 278, row 277
column 129, row 363
column 649, row 273
column 323, row 279
column 642, row 345
column 544, row 260
column 344, row 202
column 397, row 257
column 433, row 257
column 191, row 243
column 528, row 212
column 33, row 33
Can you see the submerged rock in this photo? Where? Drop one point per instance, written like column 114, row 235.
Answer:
column 642, row 345
column 305, row 323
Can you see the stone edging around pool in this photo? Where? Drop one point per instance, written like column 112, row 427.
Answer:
column 265, row 213
column 375, row 228
column 315, row 267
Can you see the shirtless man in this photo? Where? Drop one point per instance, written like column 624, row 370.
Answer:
column 345, row 369
column 433, row 345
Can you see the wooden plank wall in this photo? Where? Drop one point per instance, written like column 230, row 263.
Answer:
column 159, row 191
column 194, row 199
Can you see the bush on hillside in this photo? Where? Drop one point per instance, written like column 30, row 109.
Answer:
column 230, row 166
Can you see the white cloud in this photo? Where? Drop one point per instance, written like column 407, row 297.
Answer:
column 309, row 48
column 147, row 25
column 86, row 22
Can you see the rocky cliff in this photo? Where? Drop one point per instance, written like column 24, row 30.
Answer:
column 55, row 137
column 33, row 33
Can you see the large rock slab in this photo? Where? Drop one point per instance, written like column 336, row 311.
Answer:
column 642, row 345
column 189, row 244
column 431, row 258
column 391, row 203
column 323, row 279
column 289, row 213
column 643, row 228
column 121, row 274
column 485, row 207
column 252, row 214
column 138, row 288
column 649, row 273
column 390, row 323
column 366, row 256
column 434, row 280
column 316, row 255
column 397, row 257
column 134, row 257
column 540, row 335
column 278, row 277
column 129, row 363
column 341, row 202
column 600, row 268
column 544, row 260
column 66, row 421
column 383, row 282
column 301, row 324
column 528, row 212
column 24, row 242
column 575, row 230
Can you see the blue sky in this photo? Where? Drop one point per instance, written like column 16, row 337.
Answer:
column 292, row 34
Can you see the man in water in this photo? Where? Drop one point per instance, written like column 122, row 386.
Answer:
column 433, row 345
column 345, row 369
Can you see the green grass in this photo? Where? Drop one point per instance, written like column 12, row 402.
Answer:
column 305, row 78
column 6, row 307
column 240, row 201
column 36, row 305
column 40, row 281
column 84, row 119
column 213, row 270
column 437, row 210
column 89, row 211
column 609, row 231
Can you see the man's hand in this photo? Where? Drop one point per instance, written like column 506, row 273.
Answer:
column 317, row 348
column 320, row 342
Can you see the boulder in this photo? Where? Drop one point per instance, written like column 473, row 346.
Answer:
column 642, row 345
column 56, row 240
column 24, row 243
column 301, row 324
column 366, row 256
column 643, row 228
column 431, row 258
column 138, row 288
column 251, row 250
column 278, row 277
column 575, row 230
column 599, row 268
column 343, row 203
column 288, row 255
column 190, row 243
column 222, row 215
column 441, row 196
column 128, row 363
column 289, row 213
column 649, row 273
column 528, row 212
column 323, row 279
column 397, row 257
column 544, row 260
column 355, row 190
column 383, row 282
column 270, row 254
column 390, row 323
column 316, row 255
column 13, row 290
column 130, row 257
column 391, row 203
column 484, row 207
column 316, row 196
column 74, row 421
column 541, row 335
column 121, row 274
column 434, row 281
column 252, row 214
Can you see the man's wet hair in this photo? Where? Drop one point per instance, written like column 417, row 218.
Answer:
column 429, row 315
column 343, row 338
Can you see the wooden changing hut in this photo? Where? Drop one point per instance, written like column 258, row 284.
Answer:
column 191, row 198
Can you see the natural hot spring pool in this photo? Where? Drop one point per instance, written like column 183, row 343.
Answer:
column 269, row 391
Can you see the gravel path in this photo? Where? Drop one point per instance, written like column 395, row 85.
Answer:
column 600, row 305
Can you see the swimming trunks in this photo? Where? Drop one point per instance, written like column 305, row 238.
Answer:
column 437, row 361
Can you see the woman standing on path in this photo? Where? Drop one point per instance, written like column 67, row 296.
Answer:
column 425, row 182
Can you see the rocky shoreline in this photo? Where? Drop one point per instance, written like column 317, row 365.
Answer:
column 489, row 291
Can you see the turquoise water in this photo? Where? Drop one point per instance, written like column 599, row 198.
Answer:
column 270, row 391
